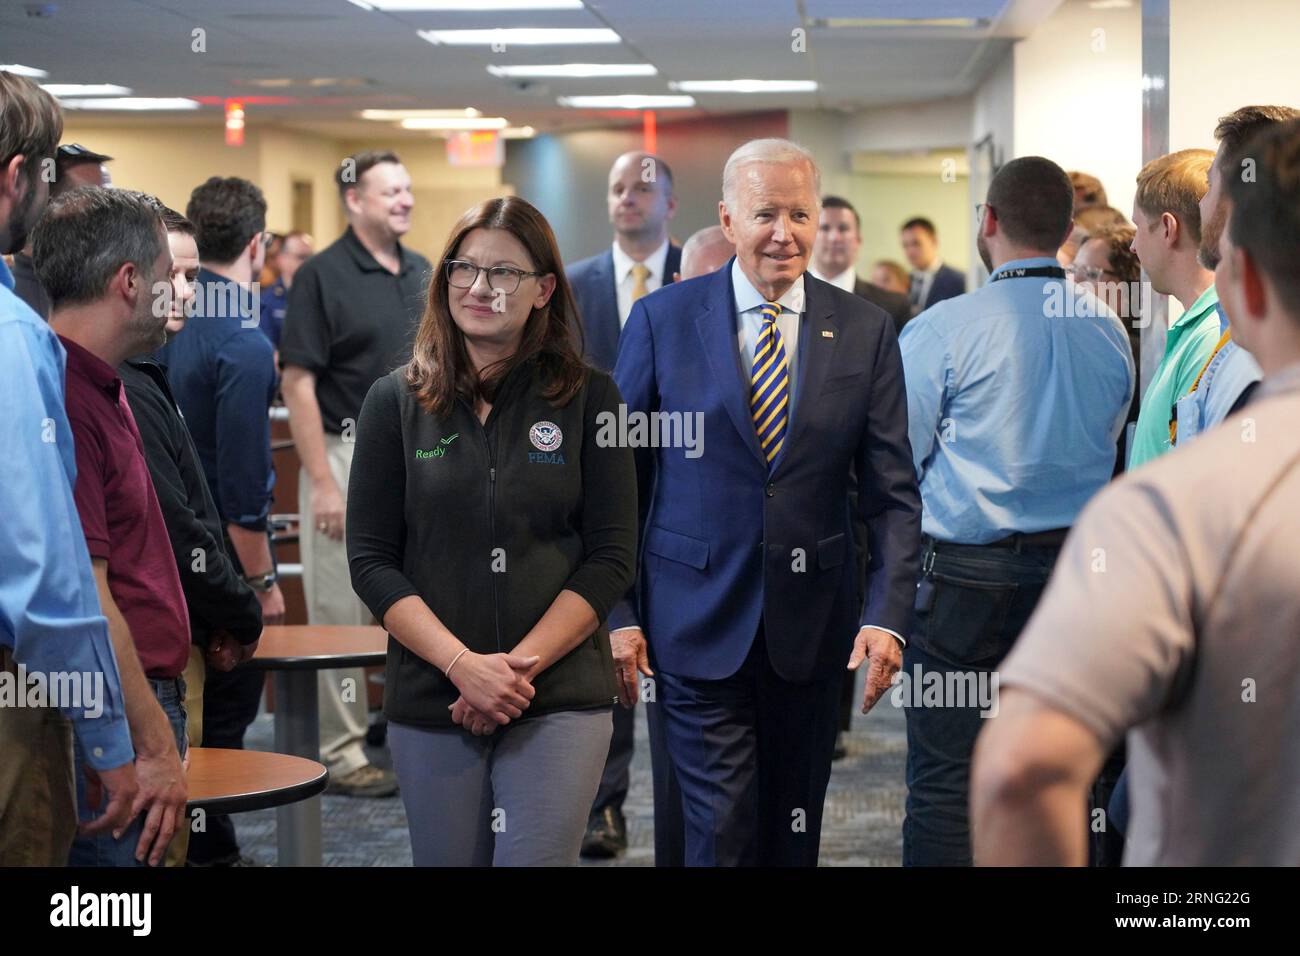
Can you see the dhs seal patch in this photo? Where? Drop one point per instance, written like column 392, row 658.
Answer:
column 546, row 436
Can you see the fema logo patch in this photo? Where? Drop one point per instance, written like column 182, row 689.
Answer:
column 546, row 436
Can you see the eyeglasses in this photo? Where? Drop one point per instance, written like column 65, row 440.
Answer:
column 503, row 279
column 981, row 208
column 1084, row 273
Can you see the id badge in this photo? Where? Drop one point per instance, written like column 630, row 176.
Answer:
column 1189, row 418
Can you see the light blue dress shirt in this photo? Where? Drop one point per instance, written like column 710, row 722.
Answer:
column 1016, row 394
column 1229, row 373
column 49, row 607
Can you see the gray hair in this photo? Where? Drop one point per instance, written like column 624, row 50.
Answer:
column 707, row 244
column 87, row 234
column 766, row 151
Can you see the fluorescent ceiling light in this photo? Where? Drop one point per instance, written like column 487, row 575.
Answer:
column 468, row 6
column 848, row 23
column 518, row 132
column 19, row 70
column 521, row 36
column 575, row 70
column 132, row 103
column 85, row 89
column 629, row 101
column 745, row 86
column 450, row 122
column 395, row 115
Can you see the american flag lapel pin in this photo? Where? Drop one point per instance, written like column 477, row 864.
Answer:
column 827, row 334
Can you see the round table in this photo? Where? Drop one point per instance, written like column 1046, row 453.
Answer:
column 236, row 781
column 294, row 652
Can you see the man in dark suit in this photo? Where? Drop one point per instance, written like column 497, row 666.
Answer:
column 839, row 237
column 640, row 260
column 745, row 608
column 932, row 281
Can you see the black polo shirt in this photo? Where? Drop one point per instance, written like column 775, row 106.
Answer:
column 350, row 321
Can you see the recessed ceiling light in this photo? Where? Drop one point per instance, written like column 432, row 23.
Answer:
column 575, row 70
column 393, row 115
column 745, row 86
column 132, row 103
column 85, row 89
column 451, row 122
column 469, row 6
column 521, row 36
column 19, row 70
column 629, row 101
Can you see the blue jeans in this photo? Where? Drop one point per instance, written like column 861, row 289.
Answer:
column 103, row 850
column 972, row 603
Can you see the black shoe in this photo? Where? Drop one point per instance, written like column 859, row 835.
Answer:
column 606, row 835
column 840, row 751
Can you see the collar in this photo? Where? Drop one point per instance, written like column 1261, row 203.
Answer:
column 623, row 263
column 241, row 294
column 367, row 262
column 846, row 280
column 1206, row 301
column 1033, row 262
column 931, row 272
column 749, row 298
column 92, row 368
column 1279, row 383
column 6, row 277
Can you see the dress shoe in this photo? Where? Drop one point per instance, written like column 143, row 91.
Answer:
column 606, row 835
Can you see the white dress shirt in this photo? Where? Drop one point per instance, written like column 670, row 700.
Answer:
column 846, row 280
column 623, row 280
column 749, row 323
column 926, row 279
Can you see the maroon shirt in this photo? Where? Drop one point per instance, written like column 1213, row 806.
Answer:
column 120, row 515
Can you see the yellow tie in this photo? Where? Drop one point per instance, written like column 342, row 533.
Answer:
column 640, row 272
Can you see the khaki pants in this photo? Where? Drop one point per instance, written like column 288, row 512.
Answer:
column 196, row 669
column 38, row 794
column 327, row 586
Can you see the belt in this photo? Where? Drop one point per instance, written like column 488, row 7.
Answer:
column 1015, row 542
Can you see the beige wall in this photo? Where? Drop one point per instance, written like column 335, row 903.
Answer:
column 1225, row 56
column 1078, row 94
column 169, row 161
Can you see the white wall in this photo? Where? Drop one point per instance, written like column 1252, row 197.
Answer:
column 1078, row 94
column 1225, row 56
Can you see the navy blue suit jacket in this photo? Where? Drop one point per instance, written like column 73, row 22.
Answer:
column 725, row 544
column 948, row 284
column 592, row 281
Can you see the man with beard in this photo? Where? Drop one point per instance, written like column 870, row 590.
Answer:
column 1014, row 403
column 1231, row 374
column 97, row 254
column 48, row 605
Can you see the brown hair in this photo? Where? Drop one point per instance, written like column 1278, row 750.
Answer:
column 1089, row 189
column 1235, row 129
column 440, row 370
column 1266, row 211
column 1119, row 242
column 1033, row 201
column 1175, row 183
column 1098, row 218
column 31, row 123
column 348, row 175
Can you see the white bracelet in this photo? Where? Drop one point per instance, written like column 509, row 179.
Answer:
column 463, row 650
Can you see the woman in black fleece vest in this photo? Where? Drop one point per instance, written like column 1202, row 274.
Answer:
column 491, row 533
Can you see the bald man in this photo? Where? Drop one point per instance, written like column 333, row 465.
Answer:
column 707, row 250
column 640, row 260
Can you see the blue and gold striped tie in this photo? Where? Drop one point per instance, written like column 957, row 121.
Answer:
column 769, row 385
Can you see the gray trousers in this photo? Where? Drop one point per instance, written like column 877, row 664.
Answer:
column 517, row 797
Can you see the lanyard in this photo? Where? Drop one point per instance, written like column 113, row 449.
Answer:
column 1045, row 272
column 1173, row 422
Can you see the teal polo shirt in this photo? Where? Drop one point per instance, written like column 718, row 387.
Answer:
column 1188, row 345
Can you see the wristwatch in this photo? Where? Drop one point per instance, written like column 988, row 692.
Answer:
column 262, row 582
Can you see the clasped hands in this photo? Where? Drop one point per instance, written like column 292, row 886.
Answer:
column 494, row 690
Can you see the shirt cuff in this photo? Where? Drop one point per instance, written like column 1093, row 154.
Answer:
column 630, row 627
column 902, row 641
column 107, row 744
